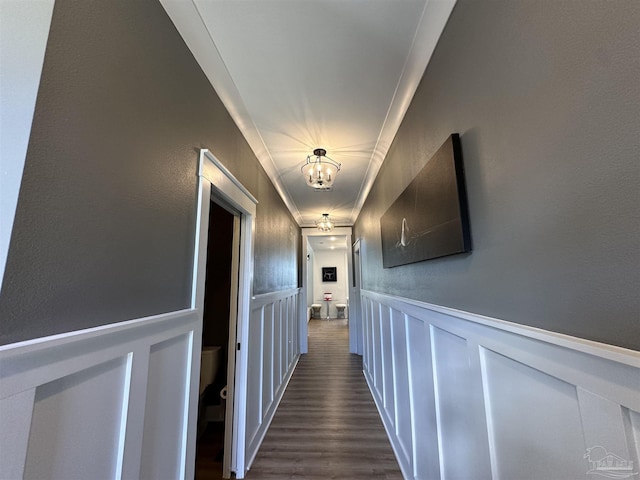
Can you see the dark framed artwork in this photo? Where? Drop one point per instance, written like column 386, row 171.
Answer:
column 430, row 218
column 329, row 274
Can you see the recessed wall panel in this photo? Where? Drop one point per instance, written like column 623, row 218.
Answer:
column 254, row 375
column 293, row 319
column 605, row 424
column 76, row 424
column 267, row 359
column 425, row 447
column 377, row 349
column 455, row 421
column 165, row 406
column 401, row 387
column 279, row 362
column 366, row 325
column 632, row 424
column 534, row 421
column 387, row 362
column 287, row 330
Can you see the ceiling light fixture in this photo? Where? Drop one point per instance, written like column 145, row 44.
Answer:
column 324, row 223
column 319, row 170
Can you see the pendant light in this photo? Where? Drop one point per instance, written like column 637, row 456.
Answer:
column 324, row 223
column 320, row 171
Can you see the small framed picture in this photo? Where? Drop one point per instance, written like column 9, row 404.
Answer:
column 329, row 274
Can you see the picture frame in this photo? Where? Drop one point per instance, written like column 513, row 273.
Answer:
column 329, row 274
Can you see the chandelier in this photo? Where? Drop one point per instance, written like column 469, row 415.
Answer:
column 319, row 170
column 324, row 223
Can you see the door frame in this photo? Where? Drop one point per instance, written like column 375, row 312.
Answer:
column 216, row 181
column 357, row 299
column 302, row 313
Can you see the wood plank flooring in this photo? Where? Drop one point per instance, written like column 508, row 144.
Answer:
column 327, row 425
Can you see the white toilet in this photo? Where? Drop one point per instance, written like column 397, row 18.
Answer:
column 210, row 362
column 209, row 366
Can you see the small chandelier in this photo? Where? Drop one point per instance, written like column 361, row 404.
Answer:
column 324, row 223
column 319, row 170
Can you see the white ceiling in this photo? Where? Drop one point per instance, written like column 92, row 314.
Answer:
column 301, row 74
column 328, row 242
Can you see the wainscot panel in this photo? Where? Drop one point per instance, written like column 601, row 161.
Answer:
column 111, row 399
column 466, row 396
column 273, row 355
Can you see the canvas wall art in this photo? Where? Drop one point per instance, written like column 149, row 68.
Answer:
column 430, row 218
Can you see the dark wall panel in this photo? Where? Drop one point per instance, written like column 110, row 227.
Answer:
column 105, row 223
column 546, row 98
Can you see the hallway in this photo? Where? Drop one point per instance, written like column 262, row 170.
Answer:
column 327, row 425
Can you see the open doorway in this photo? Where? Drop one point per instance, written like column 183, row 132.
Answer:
column 328, row 277
column 319, row 254
column 219, row 320
column 218, row 184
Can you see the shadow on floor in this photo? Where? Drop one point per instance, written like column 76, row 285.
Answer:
column 209, row 452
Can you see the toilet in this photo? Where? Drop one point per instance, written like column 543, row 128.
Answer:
column 209, row 366
column 340, row 308
column 315, row 310
column 210, row 362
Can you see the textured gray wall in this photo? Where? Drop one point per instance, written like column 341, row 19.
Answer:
column 104, row 228
column 546, row 96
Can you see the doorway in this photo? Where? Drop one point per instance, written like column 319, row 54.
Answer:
column 328, row 276
column 218, row 184
column 218, row 341
column 310, row 248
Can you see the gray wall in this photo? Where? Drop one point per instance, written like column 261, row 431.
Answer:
column 104, row 228
column 545, row 95
column 278, row 245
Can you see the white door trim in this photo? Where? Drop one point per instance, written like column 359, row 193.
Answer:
column 355, row 311
column 215, row 178
column 231, row 346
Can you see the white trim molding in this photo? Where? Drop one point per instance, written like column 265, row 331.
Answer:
column 463, row 395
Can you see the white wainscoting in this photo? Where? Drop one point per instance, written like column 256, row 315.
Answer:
column 103, row 403
column 274, row 351
column 464, row 396
column 113, row 402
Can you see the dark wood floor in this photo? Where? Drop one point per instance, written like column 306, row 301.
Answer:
column 327, row 425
